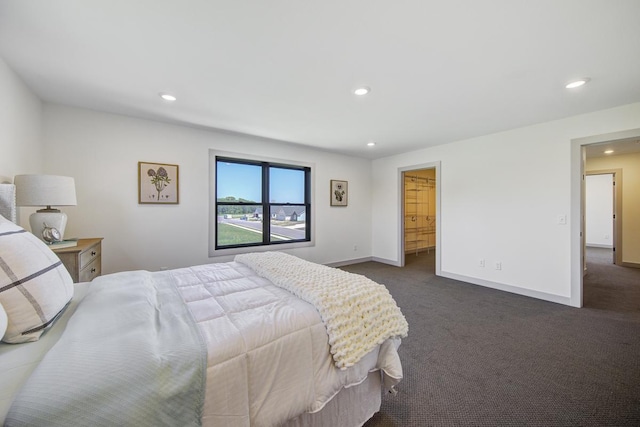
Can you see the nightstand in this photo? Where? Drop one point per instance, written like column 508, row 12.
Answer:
column 82, row 261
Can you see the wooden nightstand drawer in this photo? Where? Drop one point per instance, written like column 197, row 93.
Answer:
column 87, row 256
column 91, row 271
column 84, row 261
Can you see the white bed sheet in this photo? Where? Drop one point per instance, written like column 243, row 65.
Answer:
column 17, row 361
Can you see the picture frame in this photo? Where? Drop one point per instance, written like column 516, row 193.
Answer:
column 339, row 192
column 158, row 183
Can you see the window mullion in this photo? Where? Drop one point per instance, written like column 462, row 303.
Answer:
column 266, row 206
column 307, row 202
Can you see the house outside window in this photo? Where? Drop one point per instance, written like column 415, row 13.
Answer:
column 259, row 203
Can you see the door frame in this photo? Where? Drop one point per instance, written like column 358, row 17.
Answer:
column 617, row 211
column 578, row 157
column 401, row 171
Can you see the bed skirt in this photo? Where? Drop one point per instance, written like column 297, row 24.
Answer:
column 351, row 407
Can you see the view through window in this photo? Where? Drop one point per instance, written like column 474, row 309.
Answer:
column 261, row 203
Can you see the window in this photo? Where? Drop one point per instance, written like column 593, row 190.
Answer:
column 259, row 203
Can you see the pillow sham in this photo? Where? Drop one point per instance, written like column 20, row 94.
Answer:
column 35, row 287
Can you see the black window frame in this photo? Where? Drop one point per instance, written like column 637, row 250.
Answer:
column 264, row 203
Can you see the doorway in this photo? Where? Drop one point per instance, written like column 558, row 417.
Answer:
column 600, row 216
column 419, row 209
column 621, row 142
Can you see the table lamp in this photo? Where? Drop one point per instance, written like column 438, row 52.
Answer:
column 46, row 190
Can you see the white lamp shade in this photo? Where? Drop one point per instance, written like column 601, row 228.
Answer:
column 45, row 190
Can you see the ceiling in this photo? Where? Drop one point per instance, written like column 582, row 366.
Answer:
column 439, row 71
column 616, row 148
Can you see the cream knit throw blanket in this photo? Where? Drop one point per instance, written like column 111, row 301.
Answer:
column 359, row 314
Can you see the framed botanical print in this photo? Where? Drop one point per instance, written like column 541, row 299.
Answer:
column 339, row 193
column 158, row 183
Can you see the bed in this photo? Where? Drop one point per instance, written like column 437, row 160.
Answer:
column 268, row 339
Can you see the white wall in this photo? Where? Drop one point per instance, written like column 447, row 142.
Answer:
column 20, row 119
column 501, row 199
column 599, row 210
column 101, row 151
column 501, row 195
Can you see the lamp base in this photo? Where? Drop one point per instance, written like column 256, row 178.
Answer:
column 47, row 218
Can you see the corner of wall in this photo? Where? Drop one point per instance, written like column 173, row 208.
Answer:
column 21, row 141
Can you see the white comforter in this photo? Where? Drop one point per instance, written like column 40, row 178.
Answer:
column 268, row 352
column 358, row 313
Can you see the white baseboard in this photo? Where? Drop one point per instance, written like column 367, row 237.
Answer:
column 631, row 264
column 472, row 280
column 386, row 261
column 597, row 245
column 360, row 260
column 508, row 288
column 349, row 262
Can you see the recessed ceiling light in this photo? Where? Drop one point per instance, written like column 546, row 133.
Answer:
column 362, row 90
column 167, row 97
column 577, row 83
column 608, row 151
column 371, row 144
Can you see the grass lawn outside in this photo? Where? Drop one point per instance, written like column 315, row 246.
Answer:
column 232, row 235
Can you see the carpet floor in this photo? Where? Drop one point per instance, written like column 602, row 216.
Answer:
column 481, row 357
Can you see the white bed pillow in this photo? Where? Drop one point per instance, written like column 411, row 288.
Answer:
column 34, row 285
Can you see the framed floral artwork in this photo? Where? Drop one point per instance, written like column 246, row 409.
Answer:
column 158, row 183
column 339, row 193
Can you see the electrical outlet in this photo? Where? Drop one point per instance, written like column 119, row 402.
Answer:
column 355, row 248
column 481, row 262
column 498, row 266
column 562, row 219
